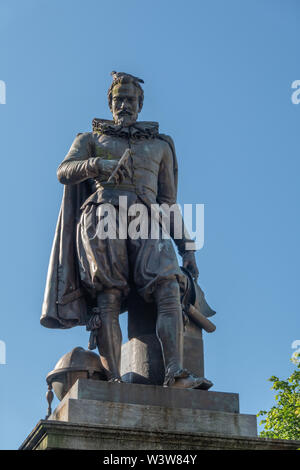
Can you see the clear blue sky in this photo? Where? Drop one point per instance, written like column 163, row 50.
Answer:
column 218, row 79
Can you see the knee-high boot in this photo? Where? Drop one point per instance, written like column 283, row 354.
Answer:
column 109, row 339
column 169, row 327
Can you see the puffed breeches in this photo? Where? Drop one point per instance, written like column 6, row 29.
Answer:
column 106, row 263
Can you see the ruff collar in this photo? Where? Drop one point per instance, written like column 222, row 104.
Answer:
column 139, row 130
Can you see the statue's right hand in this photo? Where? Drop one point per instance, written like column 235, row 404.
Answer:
column 106, row 167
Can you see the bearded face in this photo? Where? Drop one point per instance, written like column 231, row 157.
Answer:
column 125, row 104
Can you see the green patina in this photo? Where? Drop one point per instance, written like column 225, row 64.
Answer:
column 103, row 153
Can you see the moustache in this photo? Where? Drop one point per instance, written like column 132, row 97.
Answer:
column 124, row 112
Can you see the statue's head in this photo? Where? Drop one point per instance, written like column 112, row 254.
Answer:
column 125, row 98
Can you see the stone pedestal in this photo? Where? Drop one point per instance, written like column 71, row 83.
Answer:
column 154, row 409
column 142, row 360
column 58, row 435
column 96, row 415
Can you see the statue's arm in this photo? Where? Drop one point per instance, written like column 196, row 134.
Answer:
column 80, row 164
column 167, row 194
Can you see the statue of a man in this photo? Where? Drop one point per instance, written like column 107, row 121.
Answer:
column 89, row 277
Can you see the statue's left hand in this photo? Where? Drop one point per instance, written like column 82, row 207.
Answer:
column 189, row 262
column 94, row 322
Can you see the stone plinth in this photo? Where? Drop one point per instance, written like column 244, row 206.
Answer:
column 57, row 435
column 153, row 408
column 96, row 415
column 151, row 395
column 154, row 418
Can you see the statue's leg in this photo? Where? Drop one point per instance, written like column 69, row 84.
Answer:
column 103, row 267
column 169, row 328
column 156, row 277
column 109, row 339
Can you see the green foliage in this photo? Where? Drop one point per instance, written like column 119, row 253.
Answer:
column 283, row 419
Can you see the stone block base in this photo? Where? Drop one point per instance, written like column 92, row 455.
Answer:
column 97, row 415
column 152, row 395
column 154, row 408
column 55, row 435
column 154, row 418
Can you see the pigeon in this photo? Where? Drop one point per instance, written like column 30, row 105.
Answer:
column 118, row 75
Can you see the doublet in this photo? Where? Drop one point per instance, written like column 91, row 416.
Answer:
column 106, row 263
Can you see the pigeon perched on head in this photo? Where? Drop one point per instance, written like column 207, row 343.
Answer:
column 125, row 76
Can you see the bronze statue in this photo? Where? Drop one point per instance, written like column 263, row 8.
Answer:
column 89, row 277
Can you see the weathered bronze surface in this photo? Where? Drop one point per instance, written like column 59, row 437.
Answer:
column 91, row 280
